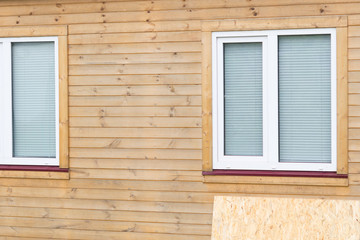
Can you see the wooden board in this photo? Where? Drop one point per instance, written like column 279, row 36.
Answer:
column 136, row 92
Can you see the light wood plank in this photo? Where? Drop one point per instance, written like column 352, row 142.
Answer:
column 275, row 23
column 164, row 26
column 354, row 122
column 132, row 143
column 187, row 133
column 354, row 31
column 33, row 31
column 354, row 43
column 354, row 53
column 354, row 76
column 135, row 48
column 135, row 122
column 63, row 103
column 127, row 195
column 34, row 174
column 169, row 68
column 106, row 184
column 354, row 20
column 354, row 111
column 342, row 100
column 107, row 205
column 354, row 64
column 189, row 36
column 87, row 234
column 136, row 111
column 129, row 80
column 68, row 6
column 113, row 215
column 354, row 99
column 277, row 180
column 138, row 175
column 139, row 153
column 139, row 101
column 354, row 156
column 134, row 58
column 354, row 87
column 166, row 90
column 164, row 164
column 185, row 14
column 97, row 225
column 207, row 102
column 354, row 145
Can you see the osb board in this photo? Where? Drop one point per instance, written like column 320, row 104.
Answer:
column 238, row 218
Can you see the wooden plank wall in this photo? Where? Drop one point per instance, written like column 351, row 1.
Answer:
column 135, row 119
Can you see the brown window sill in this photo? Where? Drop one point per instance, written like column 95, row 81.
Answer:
column 275, row 173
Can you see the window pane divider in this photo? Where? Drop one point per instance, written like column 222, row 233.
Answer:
column 272, row 93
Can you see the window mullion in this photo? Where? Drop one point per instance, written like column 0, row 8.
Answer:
column 272, row 94
column 2, row 102
column 6, row 92
column 220, row 102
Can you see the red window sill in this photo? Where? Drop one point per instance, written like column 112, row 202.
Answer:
column 274, row 173
column 33, row 168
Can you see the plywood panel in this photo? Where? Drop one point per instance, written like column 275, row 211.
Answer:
column 284, row 218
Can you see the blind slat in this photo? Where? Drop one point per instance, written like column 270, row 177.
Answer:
column 33, row 84
column 243, row 99
column 305, row 98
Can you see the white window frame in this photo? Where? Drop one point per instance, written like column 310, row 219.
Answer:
column 6, row 136
column 270, row 158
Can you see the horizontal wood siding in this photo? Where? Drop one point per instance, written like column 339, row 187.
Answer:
column 135, row 118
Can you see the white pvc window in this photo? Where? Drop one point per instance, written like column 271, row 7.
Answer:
column 274, row 100
column 29, row 101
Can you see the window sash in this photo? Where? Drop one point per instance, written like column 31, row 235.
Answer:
column 6, row 136
column 218, row 133
column 270, row 159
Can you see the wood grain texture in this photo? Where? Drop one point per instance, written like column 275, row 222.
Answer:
column 135, row 86
column 63, row 103
column 206, row 101
column 33, row 31
column 274, row 23
column 33, row 174
column 342, row 100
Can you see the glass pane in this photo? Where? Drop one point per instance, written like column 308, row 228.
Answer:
column 305, row 98
column 33, row 84
column 243, row 99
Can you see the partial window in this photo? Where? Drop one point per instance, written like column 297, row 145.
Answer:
column 274, row 100
column 29, row 101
